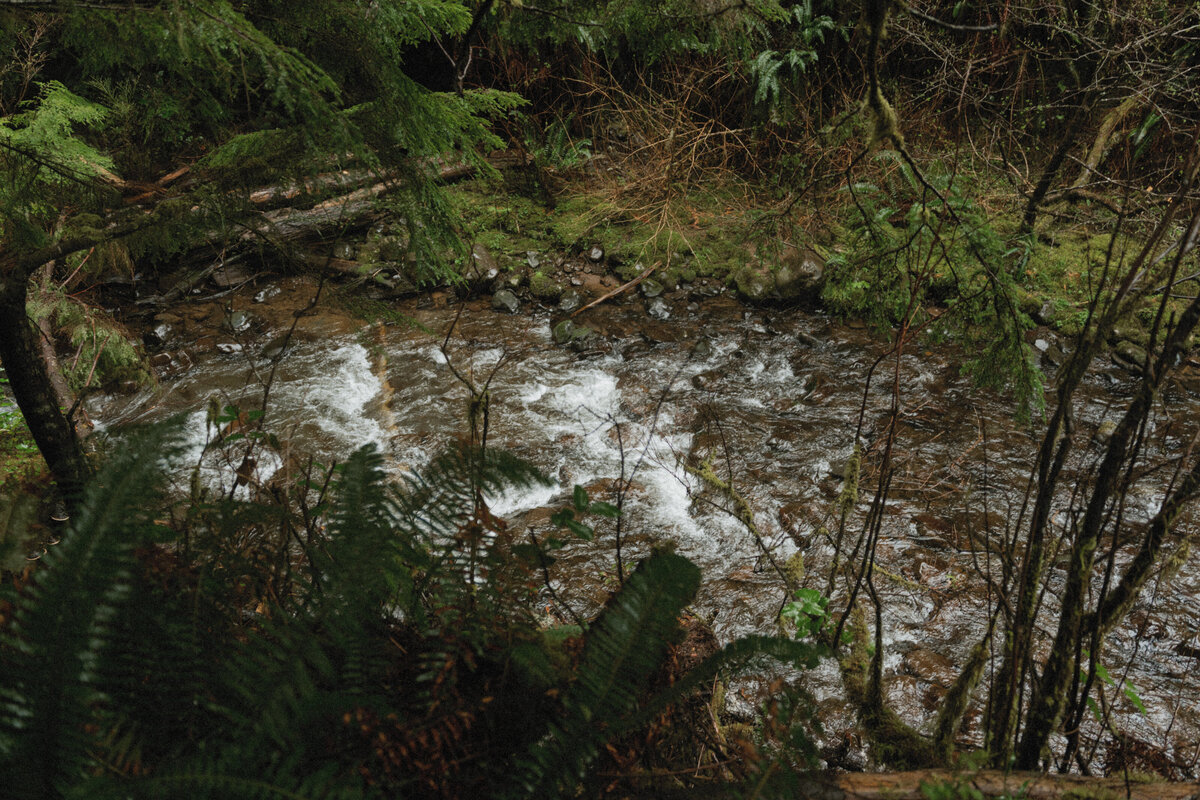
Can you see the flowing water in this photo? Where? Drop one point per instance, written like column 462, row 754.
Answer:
column 771, row 401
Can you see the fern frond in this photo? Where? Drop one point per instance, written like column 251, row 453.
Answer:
column 733, row 657
column 622, row 651
column 52, row 650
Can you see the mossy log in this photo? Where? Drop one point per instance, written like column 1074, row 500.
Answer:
column 994, row 783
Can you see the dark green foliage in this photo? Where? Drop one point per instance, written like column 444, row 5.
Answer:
column 920, row 243
column 396, row 660
column 623, row 648
column 55, row 647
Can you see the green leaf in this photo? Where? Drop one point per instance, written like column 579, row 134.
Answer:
column 580, row 530
column 623, row 649
column 603, row 509
column 1132, row 694
column 580, row 498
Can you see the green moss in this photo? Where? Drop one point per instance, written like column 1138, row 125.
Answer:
column 543, row 287
column 19, row 457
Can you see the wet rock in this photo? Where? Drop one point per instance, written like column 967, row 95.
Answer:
column 705, row 288
column 531, row 258
column 345, row 251
column 230, row 275
column 157, row 336
column 659, row 309
column 754, row 283
column 482, row 269
column 228, row 347
column 1129, row 355
column 505, row 300
column 266, row 294
column 651, row 288
column 791, row 273
column 570, row 301
column 708, row 381
column 702, row 349
column 596, row 254
column 162, row 330
column 544, row 288
column 274, row 348
column 567, row 332
column 238, row 322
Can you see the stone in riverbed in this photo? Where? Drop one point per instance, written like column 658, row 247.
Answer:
column 596, row 254
column 544, row 288
column 505, row 300
column 567, row 332
column 651, row 288
column 1129, row 355
column 658, row 309
column 570, row 301
column 238, row 322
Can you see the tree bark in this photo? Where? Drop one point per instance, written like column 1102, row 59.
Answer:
column 32, row 387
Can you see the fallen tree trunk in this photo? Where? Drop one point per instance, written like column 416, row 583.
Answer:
column 994, row 783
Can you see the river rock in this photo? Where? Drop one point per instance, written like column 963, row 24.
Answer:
column 228, row 347
column 163, row 329
column 651, row 288
column 263, row 295
column 702, row 349
column 570, row 301
column 505, row 300
column 230, row 275
column 596, row 254
column 532, row 259
column 482, row 269
column 1104, row 431
column 931, row 667
column 659, row 309
column 544, row 288
column 567, row 332
column 708, row 381
column 238, row 322
column 794, row 273
column 1129, row 355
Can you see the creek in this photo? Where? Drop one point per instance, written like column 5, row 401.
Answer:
column 769, row 398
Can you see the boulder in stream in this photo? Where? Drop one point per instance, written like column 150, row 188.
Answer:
column 567, row 332
column 505, row 300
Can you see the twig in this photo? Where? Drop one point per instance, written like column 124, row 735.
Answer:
column 621, row 289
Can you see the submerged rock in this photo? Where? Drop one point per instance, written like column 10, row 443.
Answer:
column 658, row 309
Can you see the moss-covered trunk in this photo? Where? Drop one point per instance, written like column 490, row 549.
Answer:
column 31, row 385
